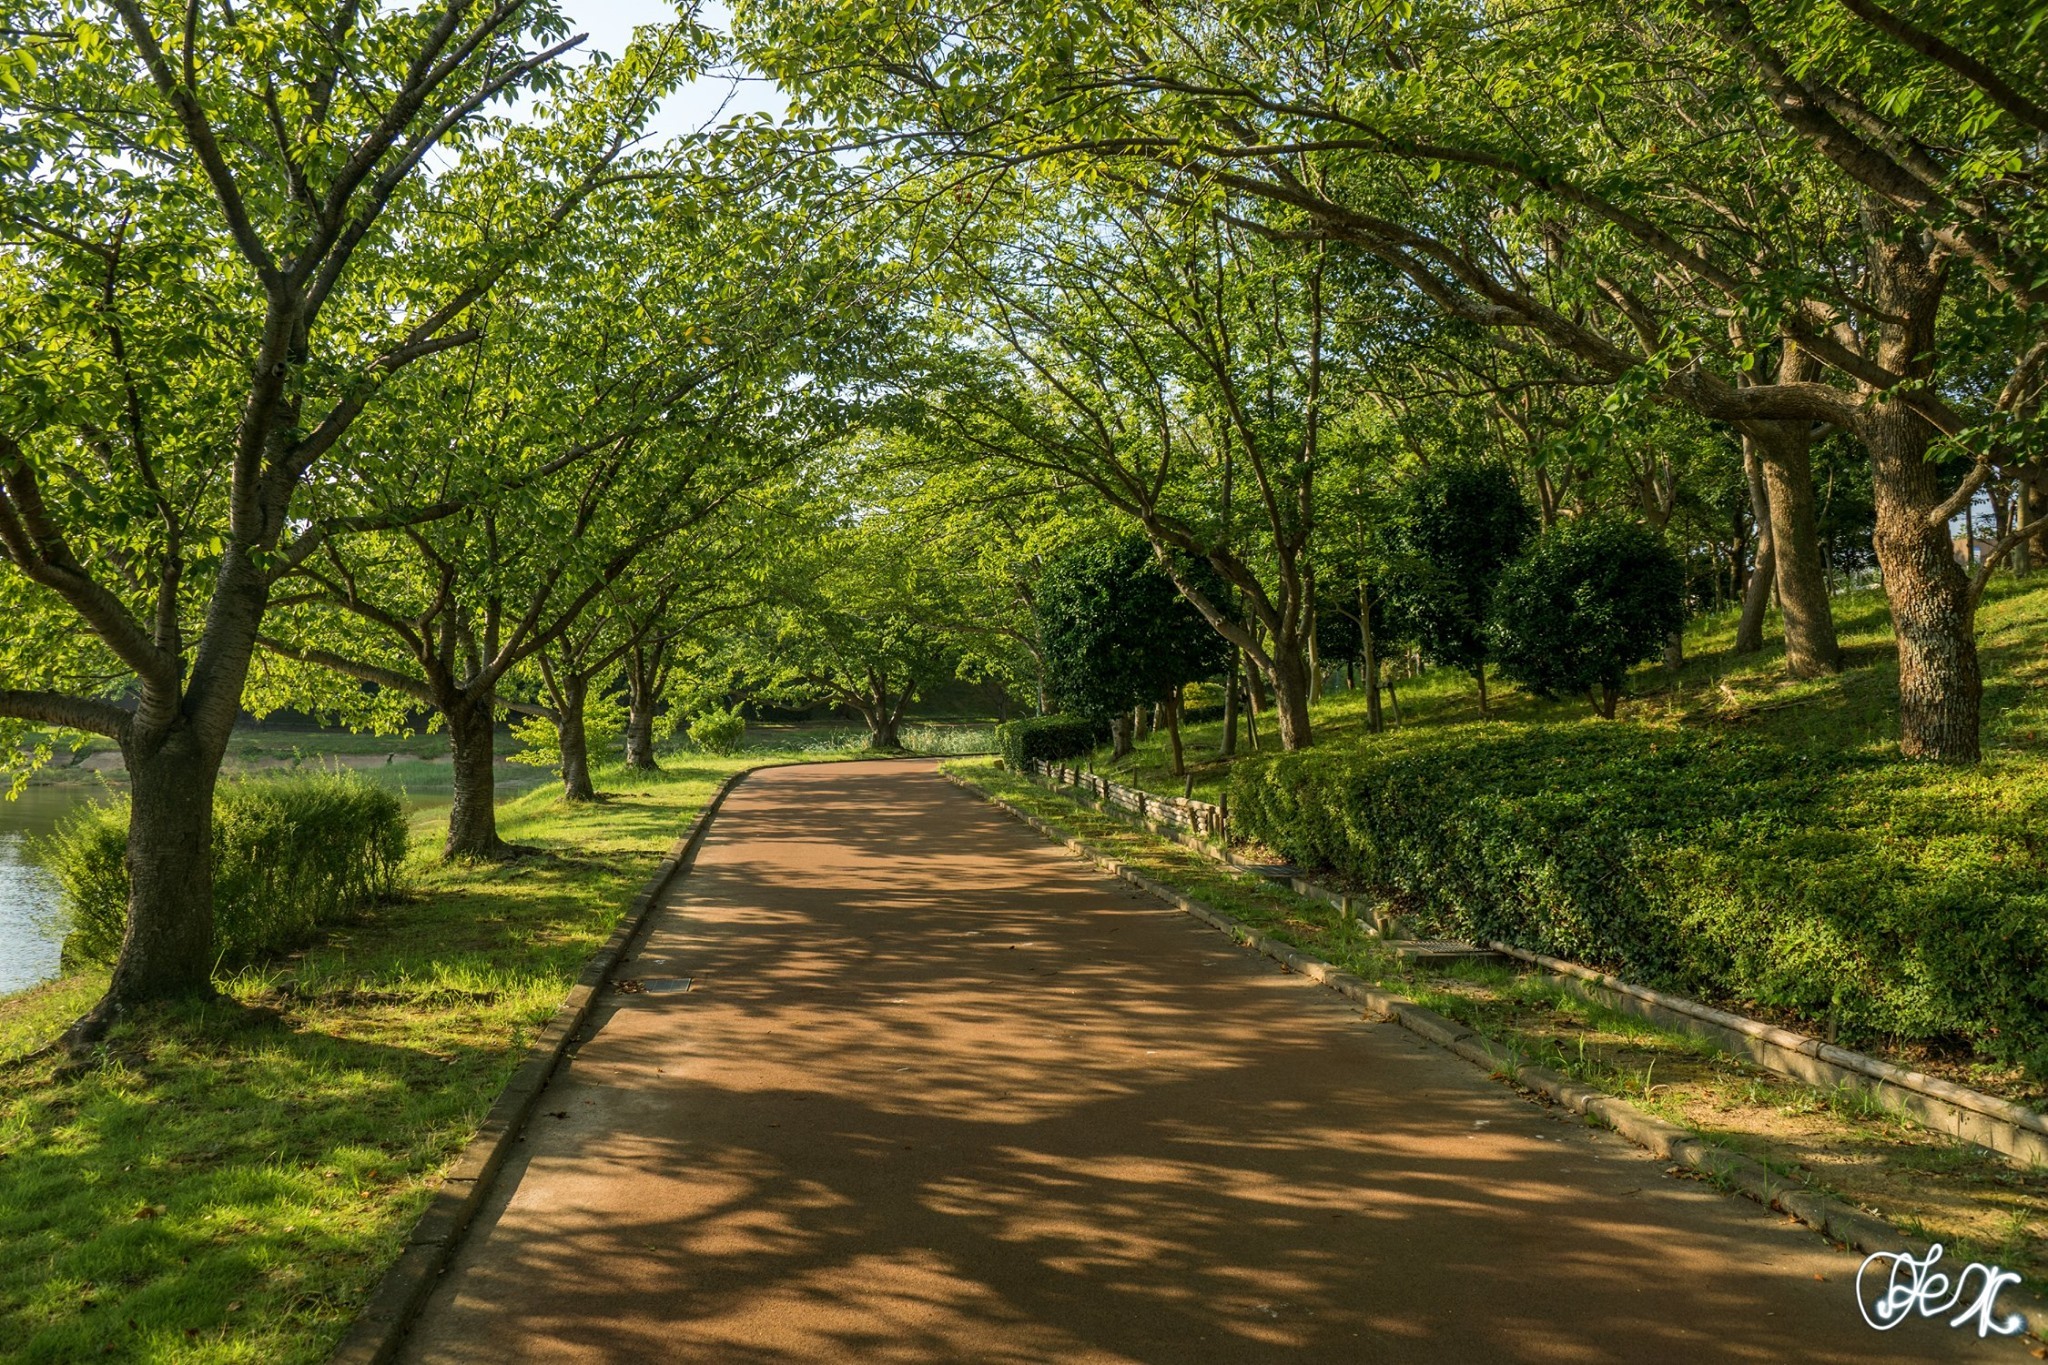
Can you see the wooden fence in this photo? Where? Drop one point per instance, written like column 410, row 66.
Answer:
column 1178, row 812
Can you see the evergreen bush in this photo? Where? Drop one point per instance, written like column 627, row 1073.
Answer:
column 1871, row 897
column 1045, row 737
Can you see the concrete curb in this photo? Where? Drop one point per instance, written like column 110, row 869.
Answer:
column 1828, row 1216
column 380, row 1327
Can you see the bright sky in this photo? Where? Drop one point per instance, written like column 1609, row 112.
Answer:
column 610, row 24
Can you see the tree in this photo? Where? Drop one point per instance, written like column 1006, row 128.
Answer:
column 854, row 619
column 1460, row 527
column 1118, row 633
column 1591, row 599
column 222, row 252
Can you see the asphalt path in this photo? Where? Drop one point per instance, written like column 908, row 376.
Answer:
column 937, row 1091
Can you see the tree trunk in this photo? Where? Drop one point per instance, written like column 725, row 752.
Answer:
column 1785, row 451
column 1230, row 707
column 882, row 727
column 473, row 814
column 1756, row 593
column 1139, row 727
column 574, row 740
column 1674, row 650
column 1933, row 616
column 1369, row 663
column 1172, row 709
column 1119, row 737
column 167, row 948
column 1479, row 676
column 1939, row 687
column 640, row 703
column 2023, row 512
column 1610, row 696
column 1290, row 697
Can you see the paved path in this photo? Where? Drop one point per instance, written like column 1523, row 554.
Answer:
column 941, row 1094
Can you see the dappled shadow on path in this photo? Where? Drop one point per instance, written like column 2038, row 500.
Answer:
column 940, row 1094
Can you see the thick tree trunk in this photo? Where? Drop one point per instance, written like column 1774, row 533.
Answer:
column 1290, row 680
column 1939, row 687
column 1172, row 710
column 574, row 739
column 1610, row 697
column 1119, row 737
column 473, row 814
column 1756, row 594
column 2023, row 512
column 1674, row 650
column 167, row 947
column 1140, row 717
column 1933, row 617
column 1785, row 450
column 643, row 674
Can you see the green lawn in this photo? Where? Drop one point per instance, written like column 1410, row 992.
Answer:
column 232, row 1184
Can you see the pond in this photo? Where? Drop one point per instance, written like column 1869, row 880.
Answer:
column 29, row 934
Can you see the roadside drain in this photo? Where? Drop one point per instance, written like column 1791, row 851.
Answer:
column 653, row 985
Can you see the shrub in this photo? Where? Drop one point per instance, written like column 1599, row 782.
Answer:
column 1885, row 899
column 289, row 856
column 720, row 730
column 1458, row 528
column 1046, row 738
column 1589, row 600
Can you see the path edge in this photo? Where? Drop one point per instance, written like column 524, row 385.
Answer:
column 1831, row 1217
column 387, row 1316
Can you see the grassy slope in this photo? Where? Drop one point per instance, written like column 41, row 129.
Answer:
column 1857, row 710
column 1973, row 1202
column 230, row 1188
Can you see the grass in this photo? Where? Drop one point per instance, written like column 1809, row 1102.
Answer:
column 230, row 1185
column 1836, row 1141
column 1855, row 710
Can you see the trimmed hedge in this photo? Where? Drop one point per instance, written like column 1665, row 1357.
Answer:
column 1045, row 737
column 289, row 856
column 1880, row 898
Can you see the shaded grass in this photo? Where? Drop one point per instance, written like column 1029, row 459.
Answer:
column 1838, row 1141
column 231, row 1183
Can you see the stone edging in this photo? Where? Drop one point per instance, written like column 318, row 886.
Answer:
column 1827, row 1215
column 380, row 1327
column 2011, row 1130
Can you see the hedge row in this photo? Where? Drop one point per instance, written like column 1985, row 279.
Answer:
column 1046, row 738
column 289, row 855
column 1882, row 899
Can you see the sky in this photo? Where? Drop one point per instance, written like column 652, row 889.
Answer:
column 610, row 24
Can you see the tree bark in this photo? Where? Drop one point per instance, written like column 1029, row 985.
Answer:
column 1610, row 697
column 574, row 740
column 1785, row 451
column 1369, row 663
column 1933, row 613
column 642, row 696
column 1119, row 737
column 1479, row 676
column 1172, row 709
column 167, row 946
column 1230, row 707
column 473, row 814
column 1290, row 697
column 1756, row 594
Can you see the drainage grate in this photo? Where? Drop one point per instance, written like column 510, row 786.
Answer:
column 653, row 985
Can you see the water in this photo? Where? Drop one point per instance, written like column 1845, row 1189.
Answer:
column 30, row 935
